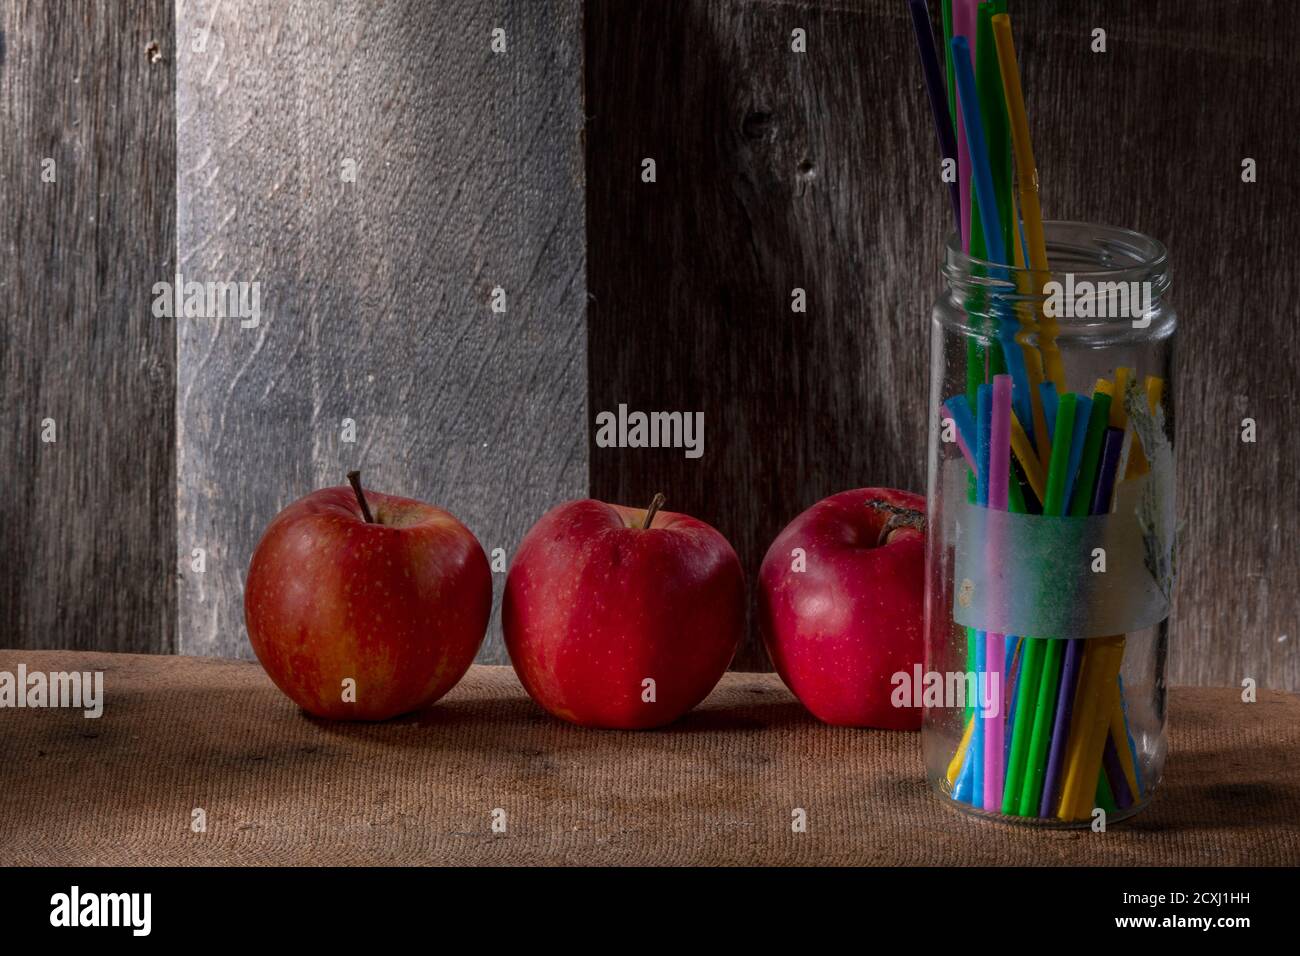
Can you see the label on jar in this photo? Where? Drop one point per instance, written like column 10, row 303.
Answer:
column 1063, row 577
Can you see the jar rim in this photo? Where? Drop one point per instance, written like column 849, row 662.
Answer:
column 1146, row 257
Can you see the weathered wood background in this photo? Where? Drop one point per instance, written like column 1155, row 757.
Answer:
column 376, row 294
column 775, row 170
column 779, row 171
column 87, row 521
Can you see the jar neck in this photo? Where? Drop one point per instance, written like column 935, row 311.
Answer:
column 1096, row 275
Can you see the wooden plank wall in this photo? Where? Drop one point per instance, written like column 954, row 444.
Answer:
column 376, row 293
column 1151, row 135
column 777, row 170
column 87, row 520
column 768, row 179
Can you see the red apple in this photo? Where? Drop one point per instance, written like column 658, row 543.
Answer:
column 840, row 628
column 394, row 596
column 602, row 599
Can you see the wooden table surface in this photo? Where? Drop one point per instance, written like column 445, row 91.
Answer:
column 180, row 735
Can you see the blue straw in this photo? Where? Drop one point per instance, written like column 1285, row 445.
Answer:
column 1047, row 391
column 983, row 439
column 960, row 411
column 981, row 175
column 990, row 224
column 1082, row 409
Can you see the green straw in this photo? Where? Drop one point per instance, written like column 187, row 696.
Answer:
column 1031, row 794
column 1050, row 675
column 1105, row 798
column 1015, row 494
column 1030, row 669
column 1059, row 463
column 997, row 127
column 1086, row 483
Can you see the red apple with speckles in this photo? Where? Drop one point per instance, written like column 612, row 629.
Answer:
column 602, row 599
column 840, row 604
column 389, row 592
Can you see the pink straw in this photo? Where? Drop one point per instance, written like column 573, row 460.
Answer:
column 964, row 25
column 995, row 645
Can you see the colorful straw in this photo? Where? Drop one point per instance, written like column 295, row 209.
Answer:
column 934, row 89
column 1056, row 740
column 1027, row 178
column 963, row 26
column 1050, row 675
column 990, row 226
column 995, row 644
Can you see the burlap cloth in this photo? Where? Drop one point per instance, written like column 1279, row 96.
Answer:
column 719, row 787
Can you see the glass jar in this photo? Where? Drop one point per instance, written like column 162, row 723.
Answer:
column 1050, row 553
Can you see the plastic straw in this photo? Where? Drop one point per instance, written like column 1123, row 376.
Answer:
column 1028, row 460
column 1086, row 480
column 993, row 111
column 959, row 758
column 1114, row 774
column 1026, row 689
column 983, row 452
column 1078, row 438
column 1049, row 679
column 1137, row 463
column 1111, row 449
column 1128, row 756
column 1061, row 726
column 995, row 644
column 1092, row 472
column 958, row 409
column 990, row 226
column 973, row 131
column 1097, row 687
column 934, row 88
column 945, row 12
column 1027, row 178
column 963, row 25
column 1014, row 647
column 1048, row 392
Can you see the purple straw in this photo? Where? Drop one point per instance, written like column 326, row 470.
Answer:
column 1112, row 446
column 1061, row 727
column 938, row 93
column 1115, row 773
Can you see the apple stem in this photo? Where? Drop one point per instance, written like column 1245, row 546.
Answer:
column 898, row 518
column 354, row 477
column 650, row 512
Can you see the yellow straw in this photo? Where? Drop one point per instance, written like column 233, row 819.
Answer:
column 1137, row 462
column 1118, row 414
column 1025, row 455
column 1098, row 683
column 1027, row 181
column 1016, row 244
column 954, row 765
column 1155, row 391
column 1119, row 732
